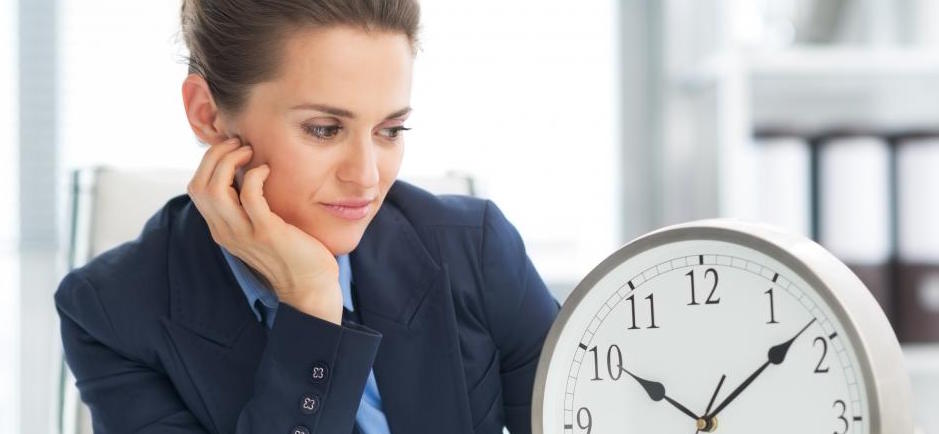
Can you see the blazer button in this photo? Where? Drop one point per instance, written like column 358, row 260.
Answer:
column 320, row 372
column 299, row 429
column 309, row 403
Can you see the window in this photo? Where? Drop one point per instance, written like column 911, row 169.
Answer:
column 9, row 226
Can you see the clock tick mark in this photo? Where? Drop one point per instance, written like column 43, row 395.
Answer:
column 631, row 286
column 833, row 335
column 700, row 259
column 775, row 276
column 581, row 345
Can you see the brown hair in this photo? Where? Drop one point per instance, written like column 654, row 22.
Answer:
column 234, row 44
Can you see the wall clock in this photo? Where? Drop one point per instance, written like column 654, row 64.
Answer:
column 721, row 326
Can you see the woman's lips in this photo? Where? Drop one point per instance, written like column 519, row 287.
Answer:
column 351, row 203
column 349, row 212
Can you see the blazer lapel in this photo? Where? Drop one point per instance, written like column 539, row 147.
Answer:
column 401, row 292
column 216, row 338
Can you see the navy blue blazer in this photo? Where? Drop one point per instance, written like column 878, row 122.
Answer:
column 453, row 316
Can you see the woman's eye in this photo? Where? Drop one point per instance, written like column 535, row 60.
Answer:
column 393, row 131
column 323, row 132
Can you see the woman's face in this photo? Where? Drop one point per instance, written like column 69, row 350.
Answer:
column 328, row 127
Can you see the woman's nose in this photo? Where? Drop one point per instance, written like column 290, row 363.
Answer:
column 360, row 164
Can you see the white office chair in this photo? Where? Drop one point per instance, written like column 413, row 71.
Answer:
column 109, row 206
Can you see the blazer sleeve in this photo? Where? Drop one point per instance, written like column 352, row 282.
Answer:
column 520, row 312
column 128, row 395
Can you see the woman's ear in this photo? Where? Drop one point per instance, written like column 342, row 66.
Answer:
column 204, row 117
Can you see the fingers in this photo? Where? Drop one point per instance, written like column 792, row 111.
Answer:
column 197, row 185
column 221, row 183
column 212, row 192
column 207, row 166
column 252, row 196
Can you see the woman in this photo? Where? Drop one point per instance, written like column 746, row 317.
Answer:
column 298, row 287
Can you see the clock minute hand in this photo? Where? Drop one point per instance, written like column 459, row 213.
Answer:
column 656, row 391
column 776, row 355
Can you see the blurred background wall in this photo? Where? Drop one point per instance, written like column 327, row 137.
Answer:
column 589, row 123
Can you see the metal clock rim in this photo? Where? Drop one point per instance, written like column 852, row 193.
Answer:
column 886, row 382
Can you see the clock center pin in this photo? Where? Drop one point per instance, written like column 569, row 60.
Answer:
column 707, row 425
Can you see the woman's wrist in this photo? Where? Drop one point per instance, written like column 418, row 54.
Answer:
column 323, row 302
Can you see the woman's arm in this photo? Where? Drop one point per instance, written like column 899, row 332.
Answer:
column 126, row 395
column 520, row 310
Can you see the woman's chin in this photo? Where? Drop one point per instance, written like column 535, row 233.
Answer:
column 339, row 236
column 339, row 242
column 343, row 249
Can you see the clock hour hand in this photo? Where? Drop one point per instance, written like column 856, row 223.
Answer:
column 656, row 391
column 775, row 356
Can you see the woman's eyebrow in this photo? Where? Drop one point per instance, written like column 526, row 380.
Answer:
column 343, row 113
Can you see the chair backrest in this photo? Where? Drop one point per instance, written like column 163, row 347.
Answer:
column 450, row 183
column 109, row 206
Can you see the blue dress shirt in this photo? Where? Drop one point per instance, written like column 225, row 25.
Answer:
column 263, row 301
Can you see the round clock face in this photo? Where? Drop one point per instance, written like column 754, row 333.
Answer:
column 703, row 335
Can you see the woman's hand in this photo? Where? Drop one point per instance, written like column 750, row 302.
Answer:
column 297, row 266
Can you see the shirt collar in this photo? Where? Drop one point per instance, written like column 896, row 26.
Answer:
column 255, row 290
